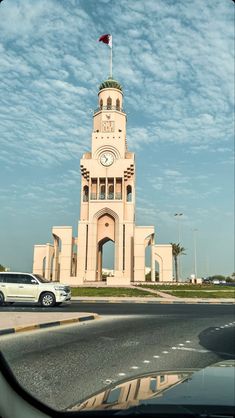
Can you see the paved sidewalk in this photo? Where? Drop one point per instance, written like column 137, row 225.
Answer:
column 101, row 299
column 11, row 322
column 156, row 292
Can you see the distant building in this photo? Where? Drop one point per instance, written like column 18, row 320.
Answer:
column 107, row 210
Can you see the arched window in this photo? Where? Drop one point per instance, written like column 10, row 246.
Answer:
column 129, row 194
column 85, row 193
column 101, row 103
column 118, row 104
column 109, row 103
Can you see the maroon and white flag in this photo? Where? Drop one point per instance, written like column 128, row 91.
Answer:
column 106, row 39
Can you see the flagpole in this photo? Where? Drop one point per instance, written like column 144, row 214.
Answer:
column 111, row 62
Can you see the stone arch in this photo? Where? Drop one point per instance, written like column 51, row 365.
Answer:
column 103, row 235
column 104, row 211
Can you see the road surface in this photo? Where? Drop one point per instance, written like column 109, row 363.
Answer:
column 68, row 363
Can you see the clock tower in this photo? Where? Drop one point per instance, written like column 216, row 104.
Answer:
column 107, row 190
column 107, row 210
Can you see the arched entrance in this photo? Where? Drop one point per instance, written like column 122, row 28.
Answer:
column 105, row 233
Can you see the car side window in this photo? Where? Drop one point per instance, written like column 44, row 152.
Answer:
column 2, row 278
column 12, row 278
column 25, row 279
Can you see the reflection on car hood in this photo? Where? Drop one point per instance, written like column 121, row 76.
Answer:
column 213, row 385
column 55, row 284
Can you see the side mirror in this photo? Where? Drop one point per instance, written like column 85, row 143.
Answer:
column 33, row 281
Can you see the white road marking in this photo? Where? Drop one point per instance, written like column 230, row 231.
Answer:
column 108, row 381
column 217, row 329
column 155, row 356
column 165, row 352
column 146, row 361
column 188, row 341
column 121, row 374
column 181, row 345
column 174, row 348
column 192, row 349
column 134, row 367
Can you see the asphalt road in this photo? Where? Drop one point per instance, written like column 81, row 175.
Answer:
column 64, row 364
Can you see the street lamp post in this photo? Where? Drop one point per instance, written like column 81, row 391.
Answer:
column 178, row 216
column 195, row 251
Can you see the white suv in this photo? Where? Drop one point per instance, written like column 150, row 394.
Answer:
column 26, row 287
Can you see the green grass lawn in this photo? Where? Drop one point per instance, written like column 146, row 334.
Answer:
column 109, row 291
column 192, row 287
column 201, row 294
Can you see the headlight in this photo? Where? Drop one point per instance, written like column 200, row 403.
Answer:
column 60, row 288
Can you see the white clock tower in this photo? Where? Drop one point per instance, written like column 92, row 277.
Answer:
column 108, row 190
column 107, row 210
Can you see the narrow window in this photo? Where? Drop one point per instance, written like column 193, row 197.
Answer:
column 118, row 193
column 109, row 103
column 110, row 188
column 101, row 104
column 118, row 104
column 102, row 193
column 85, row 193
column 93, row 189
column 129, row 194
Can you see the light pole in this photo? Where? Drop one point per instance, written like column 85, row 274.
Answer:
column 178, row 216
column 195, row 251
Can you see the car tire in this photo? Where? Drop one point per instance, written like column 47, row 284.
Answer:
column 1, row 298
column 47, row 300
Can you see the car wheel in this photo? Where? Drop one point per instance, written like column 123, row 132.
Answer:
column 47, row 300
column 1, row 298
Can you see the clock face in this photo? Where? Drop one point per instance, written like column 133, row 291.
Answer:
column 107, row 159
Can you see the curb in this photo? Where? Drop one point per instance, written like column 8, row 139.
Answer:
column 164, row 302
column 24, row 328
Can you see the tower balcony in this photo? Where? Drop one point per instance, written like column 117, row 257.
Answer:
column 103, row 196
column 99, row 109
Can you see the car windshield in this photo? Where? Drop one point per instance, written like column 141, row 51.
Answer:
column 117, row 199
column 41, row 278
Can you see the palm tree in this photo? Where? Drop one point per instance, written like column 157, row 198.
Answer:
column 177, row 250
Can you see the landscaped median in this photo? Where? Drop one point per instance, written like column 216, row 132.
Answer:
column 30, row 321
column 110, row 292
column 195, row 291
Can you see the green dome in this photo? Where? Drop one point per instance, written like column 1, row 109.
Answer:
column 110, row 84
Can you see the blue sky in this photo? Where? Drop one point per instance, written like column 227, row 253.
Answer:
column 174, row 60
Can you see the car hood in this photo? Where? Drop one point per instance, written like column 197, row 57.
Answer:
column 56, row 284
column 211, row 386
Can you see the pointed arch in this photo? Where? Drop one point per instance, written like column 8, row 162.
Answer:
column 106, row 211
column 118, row 104
column 109, row 103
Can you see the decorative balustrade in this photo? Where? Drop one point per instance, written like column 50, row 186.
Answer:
column 102, row 196
column 119, row 109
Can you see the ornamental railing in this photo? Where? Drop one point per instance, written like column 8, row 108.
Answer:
column 102, row 196
column 118, row 108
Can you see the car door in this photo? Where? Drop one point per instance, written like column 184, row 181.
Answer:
column 11, row 284
column 28, row 287
column 19, row 287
